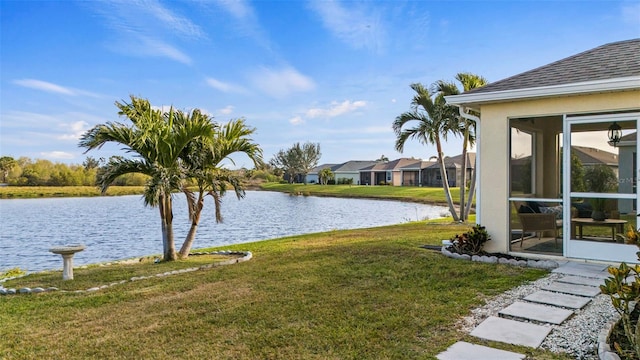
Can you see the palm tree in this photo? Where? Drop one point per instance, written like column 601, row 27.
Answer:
column 203, row 160
column 156, row 139
column 325, row 175
column 433, row 120
column 465, row 128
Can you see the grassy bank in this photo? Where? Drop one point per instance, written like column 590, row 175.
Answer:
column 405, row 193
column 23, row 192
column 356, row 294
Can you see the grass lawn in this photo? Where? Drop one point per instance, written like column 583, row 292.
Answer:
column 430, row 195
column 355, row 294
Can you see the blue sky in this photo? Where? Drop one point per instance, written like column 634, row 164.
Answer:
column 330, row 72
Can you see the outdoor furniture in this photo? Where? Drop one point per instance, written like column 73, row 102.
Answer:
column 614, row 224
column 539, row 223
column 67, row 253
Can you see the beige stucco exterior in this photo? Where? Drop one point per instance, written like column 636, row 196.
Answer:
column 494, row 156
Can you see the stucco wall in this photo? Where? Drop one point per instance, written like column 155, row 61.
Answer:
column 494, row 149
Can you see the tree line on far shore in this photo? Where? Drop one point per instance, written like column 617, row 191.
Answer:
column 25, row 171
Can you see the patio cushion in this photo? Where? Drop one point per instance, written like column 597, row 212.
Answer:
column 535, row 206
column 556, row 210
column 524, row 209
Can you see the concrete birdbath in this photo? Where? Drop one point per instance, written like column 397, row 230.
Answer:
column 67, row 252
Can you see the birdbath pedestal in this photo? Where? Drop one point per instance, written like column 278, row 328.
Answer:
column 67, row 252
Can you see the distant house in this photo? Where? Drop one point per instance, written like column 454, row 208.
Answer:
column 590, row 157
column 453, row 166
column 414, row 173
column 390, row 172
column 342, row 173
column 521, row 167
column 313, row 176
column 350, row 171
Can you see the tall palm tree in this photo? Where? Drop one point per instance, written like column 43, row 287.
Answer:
column 432, row 119
column 203, row 160
column 465, row 128
column 155, row 139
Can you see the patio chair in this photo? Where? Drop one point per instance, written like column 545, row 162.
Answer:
column 539, row 223
column 533, row 221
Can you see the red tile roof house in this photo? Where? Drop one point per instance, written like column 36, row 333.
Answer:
column 575, row 101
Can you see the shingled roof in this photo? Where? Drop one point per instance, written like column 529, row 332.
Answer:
column 592, row 156
column 614, row 60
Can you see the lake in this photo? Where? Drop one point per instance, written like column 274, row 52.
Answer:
column 121, row 227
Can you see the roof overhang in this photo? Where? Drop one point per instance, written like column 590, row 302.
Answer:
column 596, row 86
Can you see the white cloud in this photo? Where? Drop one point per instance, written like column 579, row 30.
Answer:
column 75, row 130
column 377, row 130
column 53, row 88
column 282, row 82
column 226, row 110
column 631, row 13
column 156, row 47
column 58, row 155
column 246, row 21
column 240, row 9
column 225, row 87
column 357, row 26
column 296, row 120
column 145, row 28
column 170, row 20
column 336, row 109
column 45, row 86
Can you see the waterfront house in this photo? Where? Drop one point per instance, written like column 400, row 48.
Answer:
column 587, row 99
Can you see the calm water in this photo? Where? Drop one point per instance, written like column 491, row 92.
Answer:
column 122, row 227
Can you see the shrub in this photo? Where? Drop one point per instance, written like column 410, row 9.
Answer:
column 623, row 287
column 470, row 242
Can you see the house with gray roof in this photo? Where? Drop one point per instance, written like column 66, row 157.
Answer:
column 453, row 167
column 388, row 172
column 575, row 101
column 347, row 172
column 313, row 177
column 590, row 157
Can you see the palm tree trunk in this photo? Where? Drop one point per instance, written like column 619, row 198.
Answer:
column 166, row 216
column 463, row 179
column 195, row 220
column 445, row 180
column 472, row 191
column 186, row 246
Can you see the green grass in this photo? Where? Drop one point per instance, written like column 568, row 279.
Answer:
column 355, row 294
column 430, row 195
column 18, row 192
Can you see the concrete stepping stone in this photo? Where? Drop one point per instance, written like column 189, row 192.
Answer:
column 581, row 280
column 542, row 313
column 572, row 289
column 557, row 299
column 581, row 269
column 511, row 332
column 467, row 351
